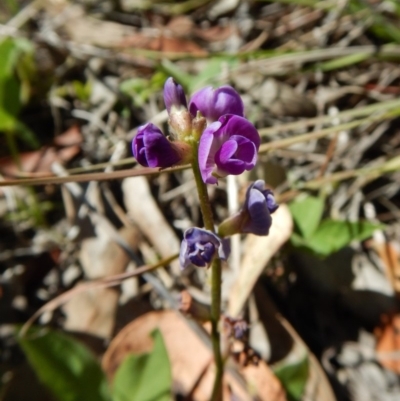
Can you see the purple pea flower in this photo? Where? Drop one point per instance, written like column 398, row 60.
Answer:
column 227, row 146
column 255, row 215
column 214, row 103
column 174, row 96
column 152, row 149
column 199, row 247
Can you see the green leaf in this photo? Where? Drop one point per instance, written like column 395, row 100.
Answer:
column 145, row 377
column 210, row 75
column 344, row 61
column 65, row 366
column 172, row 70
column 333, row 235
column 307, row 214
column 293, row 378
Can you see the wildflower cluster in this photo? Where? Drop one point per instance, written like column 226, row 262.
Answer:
column 213, row 132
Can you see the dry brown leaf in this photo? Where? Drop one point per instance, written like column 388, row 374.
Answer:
column 162, row 44
column 259, row 251
column 72, row 136
column 388, row 342
column 390, row 258
column 38, row 163
column 180, row 26
column 215, row 33
column 93, row 311
column 190, row 359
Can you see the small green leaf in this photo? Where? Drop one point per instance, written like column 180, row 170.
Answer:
column 65, row 366
column 293, row 378
column 344, row 61
column 145, row 377
column 172, row 70
column 307, row 214
column 333, row 235
column 211, row 72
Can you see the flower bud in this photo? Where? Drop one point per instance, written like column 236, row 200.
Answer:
column 174, row 96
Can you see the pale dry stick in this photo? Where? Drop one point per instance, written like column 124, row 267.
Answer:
column 275, row 64
column 146, row 171
column 283, row 143
column 329, row 155
column 116, row 208
column 359, row 112
column 370, row 172
column 26, row 13
column 106, row 282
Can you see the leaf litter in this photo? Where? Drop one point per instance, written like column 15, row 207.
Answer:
column 320, row 81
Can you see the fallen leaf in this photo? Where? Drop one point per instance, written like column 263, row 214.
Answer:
column 191, row 359
column 162, row 43
column 388, row 342
column 38, row 163
column 93, row 311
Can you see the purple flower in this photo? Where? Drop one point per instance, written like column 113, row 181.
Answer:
column 152, row 149
column 227, row 146
column 214, row 103
column 174, row 96
column 255, row 215
column 199, row 247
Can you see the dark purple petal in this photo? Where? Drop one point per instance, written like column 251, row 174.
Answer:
column 259, row 218
column 199, row 247
column 268, row 195
column 259, row 205
column 152, row 149
column 174, row 95
column 255, row 215
column 227, row 146
column 214, row 103
column 235, row 156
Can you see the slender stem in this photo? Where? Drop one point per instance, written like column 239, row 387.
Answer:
column 216, row 273
column 205, row 205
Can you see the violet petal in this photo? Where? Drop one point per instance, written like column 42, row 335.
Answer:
column 214, row 103
column 152, row 149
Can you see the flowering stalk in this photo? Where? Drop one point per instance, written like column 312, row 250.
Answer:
column 213, row 134
column 216, row 278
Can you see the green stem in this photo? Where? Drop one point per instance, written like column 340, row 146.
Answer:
column 216, row 273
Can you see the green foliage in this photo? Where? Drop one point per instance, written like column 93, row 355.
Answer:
column 324, row 237
column 145, row 377
column 140, row 89
column 65, row 366
column 345, row 61
column 16, row 71
column 209, row 75
column 72, row 373
column 293, row 378
column 29, row 209
column 382, row 27
column 307, row 214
